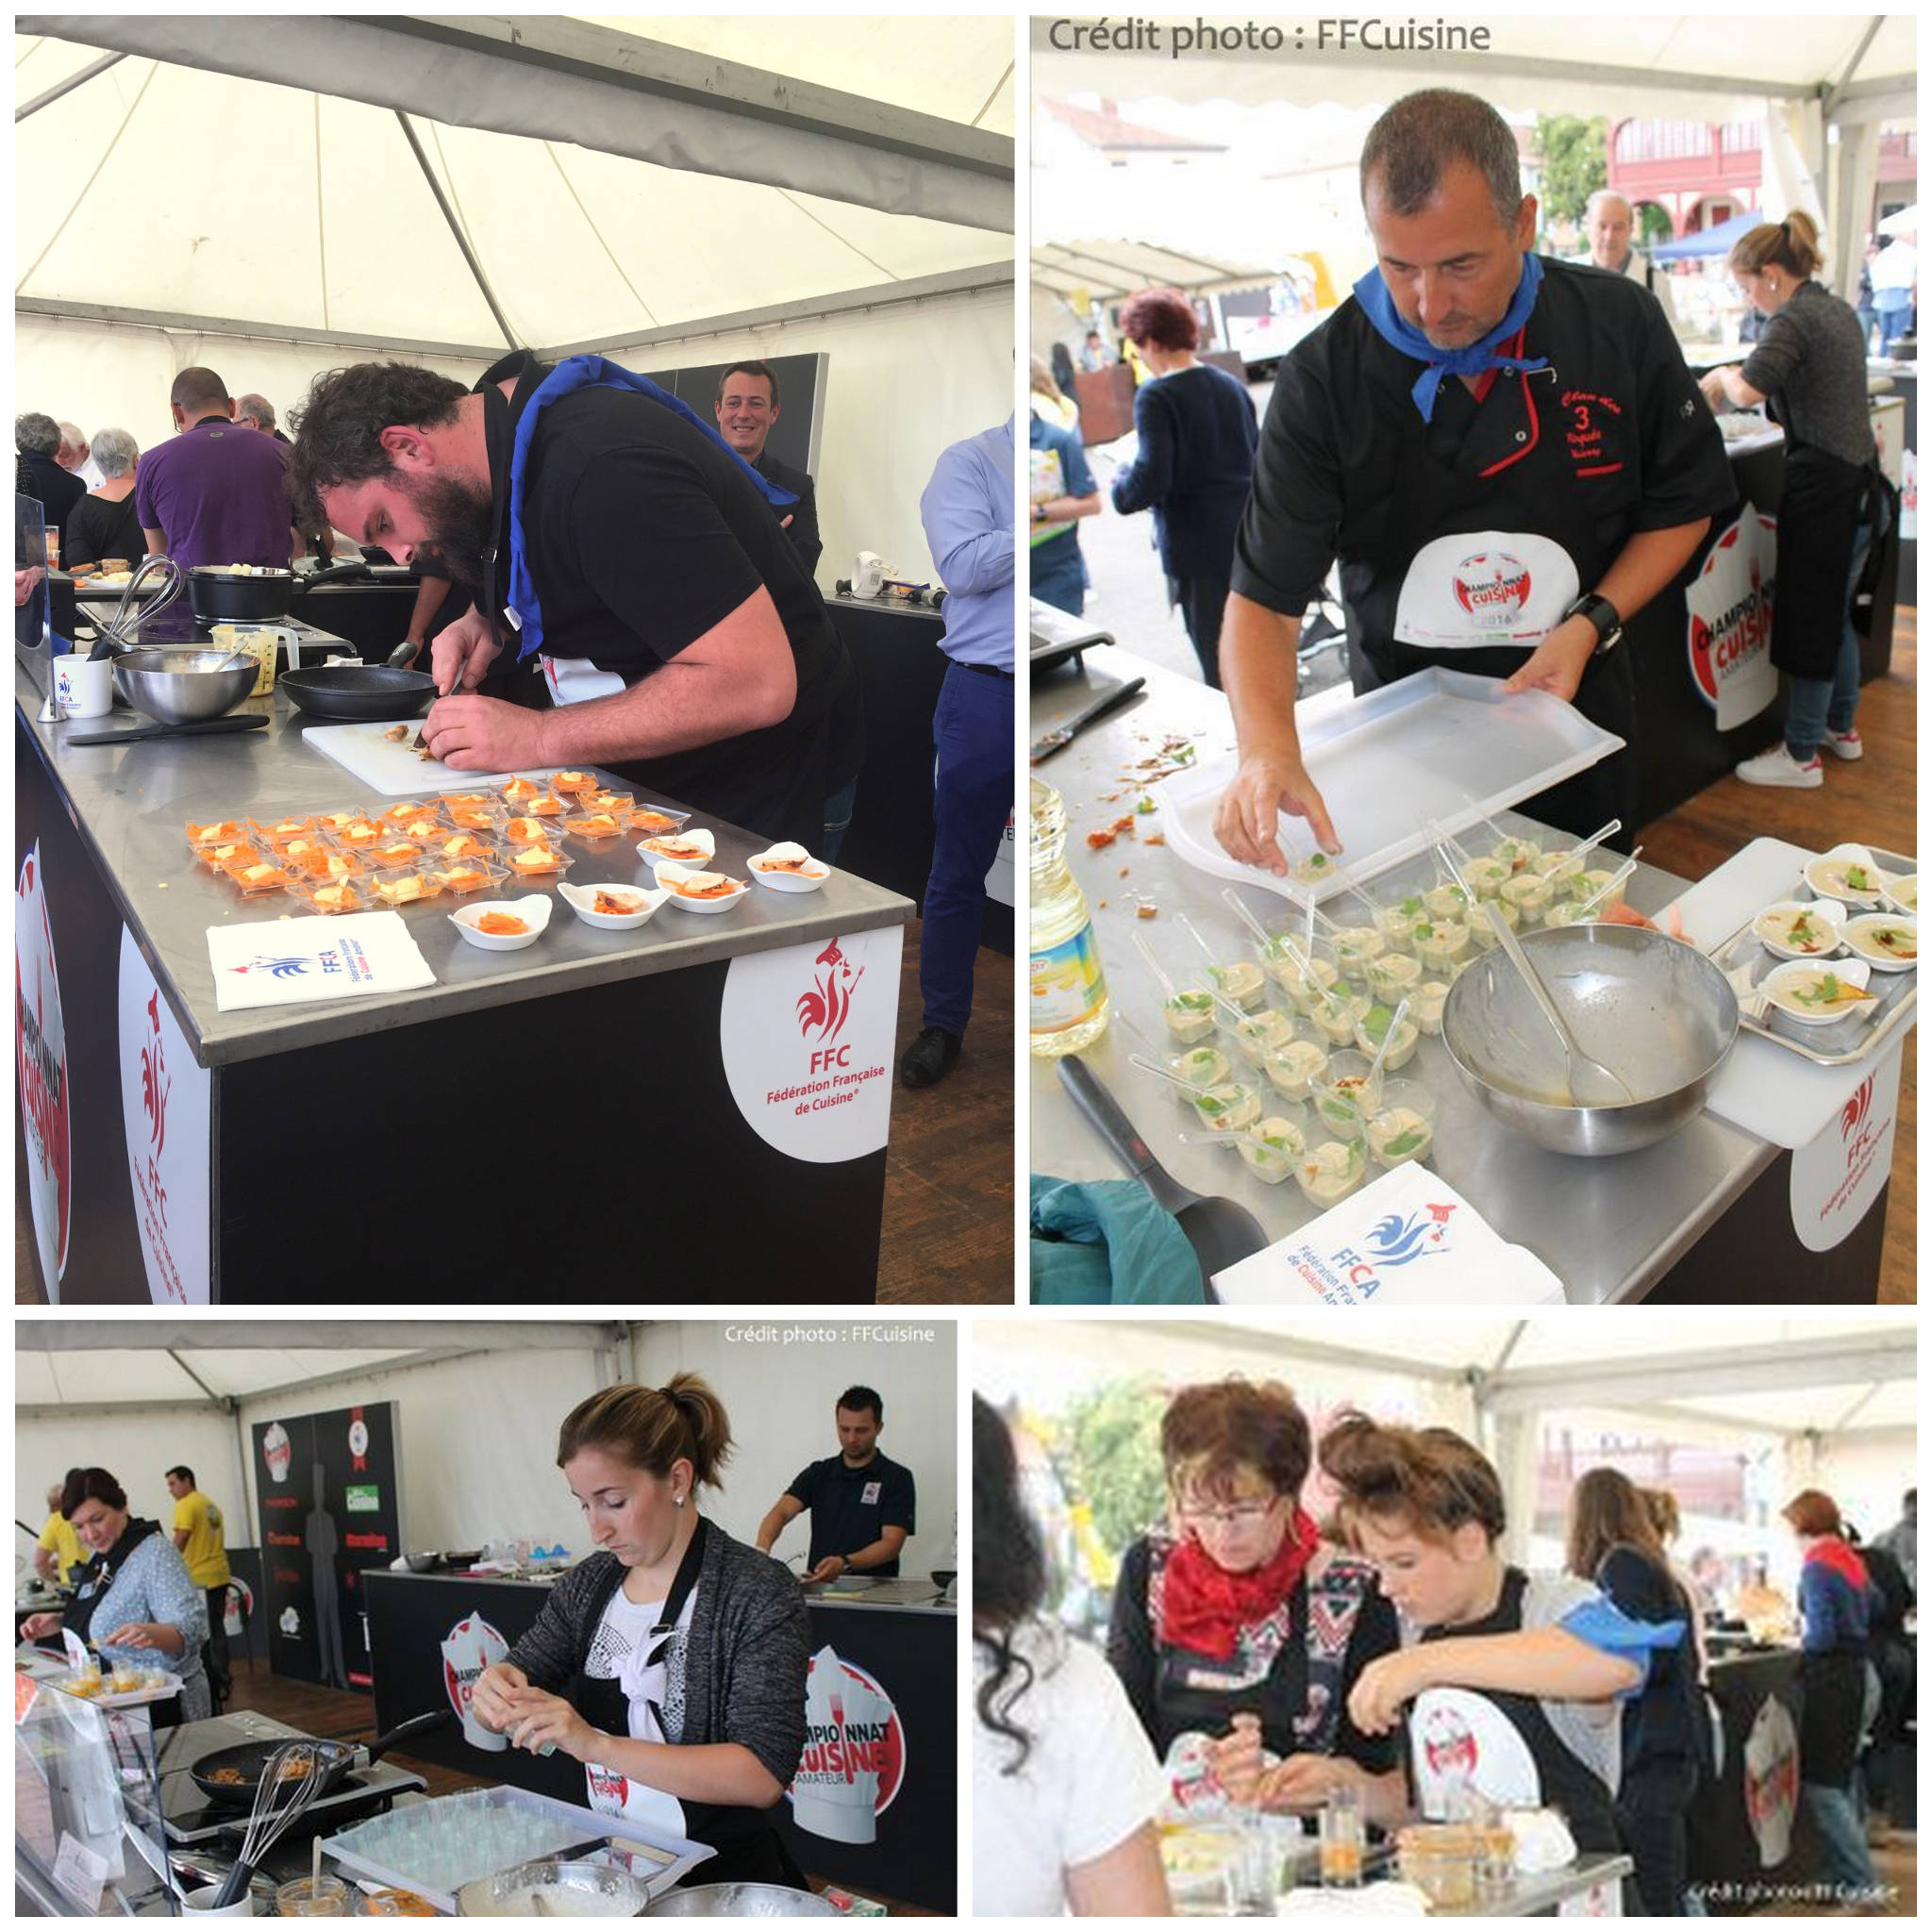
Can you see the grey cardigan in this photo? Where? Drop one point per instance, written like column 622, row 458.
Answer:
column 742, row 1660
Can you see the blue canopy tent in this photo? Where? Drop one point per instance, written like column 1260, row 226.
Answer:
column 1717, row 241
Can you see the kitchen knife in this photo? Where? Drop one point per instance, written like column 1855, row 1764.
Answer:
column 205, row 727
column 1063, row 735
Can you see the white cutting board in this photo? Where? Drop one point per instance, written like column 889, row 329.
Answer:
column 391, row 767
column 1762, row 1089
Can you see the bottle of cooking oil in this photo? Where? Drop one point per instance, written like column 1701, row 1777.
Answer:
column 1068, row 1004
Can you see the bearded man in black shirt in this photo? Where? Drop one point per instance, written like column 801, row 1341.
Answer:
column 639, row 607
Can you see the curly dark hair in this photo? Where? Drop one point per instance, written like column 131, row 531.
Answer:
column 1213, row 1430
column 339, row 423
column 1164, row 317
column 1430, row 1480
column 1008, row 1575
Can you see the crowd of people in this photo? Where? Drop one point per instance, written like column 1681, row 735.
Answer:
column 1258, row 1661
column 606, row 578
column 1420, row 416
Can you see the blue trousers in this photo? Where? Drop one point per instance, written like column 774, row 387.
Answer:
column 971, row 797
column 1813, row 703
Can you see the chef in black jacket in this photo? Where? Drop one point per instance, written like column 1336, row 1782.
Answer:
column 746, row 407
column 645, row 610
column 1505, row 451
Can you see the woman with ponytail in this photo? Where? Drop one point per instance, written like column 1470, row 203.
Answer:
column 1065, row 1790
column 1810, row 369
column 1237, row 1632
column 670, row 1664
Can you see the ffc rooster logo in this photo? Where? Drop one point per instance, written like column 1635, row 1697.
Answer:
column 1492, row 588
column 1395, row 1240
column 827, row 1006
column 154, row 1078
column 1855, row 1111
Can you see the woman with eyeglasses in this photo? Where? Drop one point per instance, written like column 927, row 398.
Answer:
column 1506, row 1689
column 1237, row 1632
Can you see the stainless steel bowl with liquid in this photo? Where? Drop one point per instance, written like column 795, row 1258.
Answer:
column 184, row 687
column 739, row 1900
column 1652, row 1009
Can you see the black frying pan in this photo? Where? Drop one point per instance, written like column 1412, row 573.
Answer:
column 358, row 693
column 218, row 596
column 231, row 1778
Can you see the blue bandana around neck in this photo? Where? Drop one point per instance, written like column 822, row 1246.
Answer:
column 1372, row 292
column 575, row 373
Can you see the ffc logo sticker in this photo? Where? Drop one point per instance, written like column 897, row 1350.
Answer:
column 40, row 1068
column 828, row 1005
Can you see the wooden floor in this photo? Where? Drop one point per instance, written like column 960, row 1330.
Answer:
column 1874, row 800
column 350, row 1717
column 948, row 1231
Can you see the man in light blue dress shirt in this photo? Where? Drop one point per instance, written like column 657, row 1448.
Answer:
column 968, row 514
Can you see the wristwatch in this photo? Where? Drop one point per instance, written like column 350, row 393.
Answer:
column 1603, row 619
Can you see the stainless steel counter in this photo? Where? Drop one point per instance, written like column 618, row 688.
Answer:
column 131, row 803
column 1609, row 1229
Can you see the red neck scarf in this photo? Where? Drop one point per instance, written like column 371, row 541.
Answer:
column 1203, row 1606
column 1836, row 1553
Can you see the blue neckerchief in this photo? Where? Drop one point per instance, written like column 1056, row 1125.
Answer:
column 574, row 372
column 1372, row 292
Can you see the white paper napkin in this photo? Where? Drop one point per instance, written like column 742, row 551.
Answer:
column 291, row 962
column 1406, row 1238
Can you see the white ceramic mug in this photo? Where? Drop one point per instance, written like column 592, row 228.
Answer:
column 83, row 690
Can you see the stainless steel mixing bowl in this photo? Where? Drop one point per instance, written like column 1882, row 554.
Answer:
column 1654, row 1011
column 554, row 1889
column 184, row 687
column 740, row 1901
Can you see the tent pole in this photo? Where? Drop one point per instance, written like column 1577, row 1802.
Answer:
column 66, row 86
column 455, row 228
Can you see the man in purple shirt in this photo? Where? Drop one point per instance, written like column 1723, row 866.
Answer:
column 216, row 493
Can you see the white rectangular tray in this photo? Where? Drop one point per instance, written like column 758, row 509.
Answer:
column 576, row 1824
column 1443, row 745
column 391, row 767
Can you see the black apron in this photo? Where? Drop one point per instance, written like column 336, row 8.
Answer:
column 1824, row 500
column 749, row 1850
column 1834, row 1685
column 1568, row 1784
column 1500, row 463
column 1300, row 1707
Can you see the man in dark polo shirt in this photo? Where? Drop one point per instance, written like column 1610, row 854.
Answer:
column 746, row 407
column 861, row 1501
column 217, row 493
column 641, row 608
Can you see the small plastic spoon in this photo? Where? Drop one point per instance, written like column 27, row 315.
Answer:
column 1387, row 1041
column 1262, row 937
column 1596, row 839
column 1610, row 884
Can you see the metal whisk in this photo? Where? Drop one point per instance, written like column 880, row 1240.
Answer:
column 282, row 1795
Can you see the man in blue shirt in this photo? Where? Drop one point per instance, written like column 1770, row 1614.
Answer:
column 1061, row 489
column 968, row 515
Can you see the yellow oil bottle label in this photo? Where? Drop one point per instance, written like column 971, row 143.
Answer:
column 1066, row 984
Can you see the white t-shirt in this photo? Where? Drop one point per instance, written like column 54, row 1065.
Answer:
column 1088, row 1782
column 1896, row 267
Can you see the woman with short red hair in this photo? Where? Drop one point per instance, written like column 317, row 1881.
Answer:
column 1197, row 435
column 1834, row 1598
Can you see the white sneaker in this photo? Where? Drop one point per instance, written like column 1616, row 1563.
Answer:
column 1845, row 744
column 1778, row 767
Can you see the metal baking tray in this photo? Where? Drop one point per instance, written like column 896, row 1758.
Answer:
column 1440, row 745
column 1846, row 1041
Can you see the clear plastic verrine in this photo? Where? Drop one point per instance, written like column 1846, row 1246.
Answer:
column 1067, row 1003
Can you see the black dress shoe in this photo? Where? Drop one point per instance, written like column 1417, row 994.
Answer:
column 929, row 1057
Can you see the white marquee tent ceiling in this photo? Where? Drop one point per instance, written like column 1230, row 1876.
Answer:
column 1793, row 1374
column 95, row 1364
column 1690, row 66
column 609, row 188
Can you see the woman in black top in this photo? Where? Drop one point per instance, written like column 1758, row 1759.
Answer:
column 1236, row 1631
column 1810, row 368
column 1614, row 1544
column 103, row 522
column 672, row 1664
column 1197, row 435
